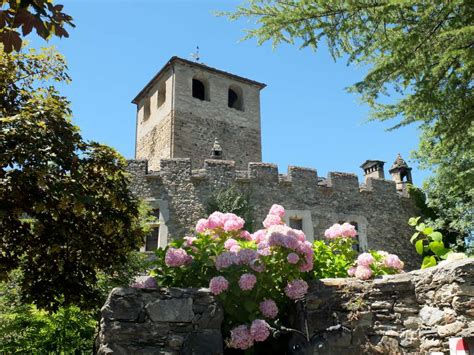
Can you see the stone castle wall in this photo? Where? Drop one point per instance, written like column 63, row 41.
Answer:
column 412, row 313
column 380, row 212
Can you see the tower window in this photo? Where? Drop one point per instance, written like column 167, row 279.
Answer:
column 161, row 94
column 199, row 89
column 146, row 109
column 234, row 98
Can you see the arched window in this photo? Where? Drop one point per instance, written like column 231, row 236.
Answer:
column 161, row 94
column 234, row 98
column 199, row 90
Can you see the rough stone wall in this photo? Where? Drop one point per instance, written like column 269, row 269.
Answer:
column 198, row 122
column 376, row 206
column 156, row 143
column 161, row 321
column 412, row 313
column 194, row 137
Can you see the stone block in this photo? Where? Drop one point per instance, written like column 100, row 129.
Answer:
column 303, row 176
column 172, row 310
column 263, row 172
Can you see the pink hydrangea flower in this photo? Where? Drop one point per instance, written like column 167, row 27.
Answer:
column 296, row 289
column 240, row 338
column 229, row 243
column 271, row 220
column 293, row 258
column 259, row 236
column 269, row 308
column 259, row 330
column 363, row 272
column 277, row 210
column 247, row 282
column 299, row 235
column 202, row 225
column 393, row 261
column 176, row 257
column 232, row 222
column 188, row 241
column 225, row 260
column 351, row 271
column 337, row 230
column 235, row 249
column 365, row 259
column 348, row 230
column 215, row 220
column 245, row 235
column 246, row 256
column 218, row 284
column 144, row 282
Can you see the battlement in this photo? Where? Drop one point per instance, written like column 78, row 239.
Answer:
column 180, row 169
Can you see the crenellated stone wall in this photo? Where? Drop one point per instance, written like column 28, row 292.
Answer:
column 411, row 313
column 379, row 211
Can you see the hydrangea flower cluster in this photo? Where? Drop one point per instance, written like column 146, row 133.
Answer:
column 144, row 282
column 176, row 257
column 222, row 221
column 375, row 263
column 345, row 230
column 243, row 336
column 296, row 289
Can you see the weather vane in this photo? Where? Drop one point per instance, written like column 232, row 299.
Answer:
column 195, row 55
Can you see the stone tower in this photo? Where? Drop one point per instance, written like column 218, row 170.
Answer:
column 188, row 105
column 401, row 173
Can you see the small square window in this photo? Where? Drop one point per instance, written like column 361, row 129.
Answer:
column 296, row 223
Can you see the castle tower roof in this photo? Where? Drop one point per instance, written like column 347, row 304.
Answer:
column 201, row 66
column 399, row 163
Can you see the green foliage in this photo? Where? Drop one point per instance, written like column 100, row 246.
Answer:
column 25, row 329
column 46, row 18
column 333, row 258
column 421, row 51
column 231, row 200
column 428, row 243
column 66, row 209
column 197, row 274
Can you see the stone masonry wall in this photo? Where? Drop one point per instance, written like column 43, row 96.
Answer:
column 380, row 212
column 160, row 321
column 412, row 313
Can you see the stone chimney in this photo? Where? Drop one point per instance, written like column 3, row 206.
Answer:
column 373, row 169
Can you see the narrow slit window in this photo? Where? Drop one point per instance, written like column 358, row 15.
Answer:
column 146, row 109
column 151, row 242
column 161, row 94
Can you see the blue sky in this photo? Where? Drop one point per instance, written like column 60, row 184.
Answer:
column 308, row 119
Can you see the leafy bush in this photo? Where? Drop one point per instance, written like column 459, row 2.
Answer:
column 429, row 243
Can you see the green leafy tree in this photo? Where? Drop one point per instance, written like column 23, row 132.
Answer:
column 46, row 18
column 421, row 51
column 231, row 200
column 66, row 209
